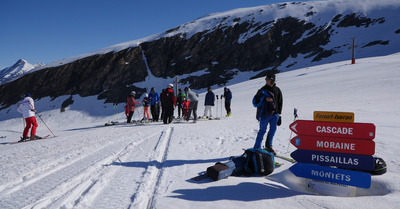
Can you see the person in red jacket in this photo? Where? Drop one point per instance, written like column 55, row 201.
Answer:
column 168, row 103
column 185, row 107
column 131, row 103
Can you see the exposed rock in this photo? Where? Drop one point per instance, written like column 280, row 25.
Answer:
column 243, row 46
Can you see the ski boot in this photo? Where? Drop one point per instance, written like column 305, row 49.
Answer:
column 23, row 139
column 33, row 137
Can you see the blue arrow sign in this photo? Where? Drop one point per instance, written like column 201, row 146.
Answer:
column 334, row 175
column 341, row 160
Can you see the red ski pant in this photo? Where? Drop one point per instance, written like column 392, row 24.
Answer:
column 30, row 122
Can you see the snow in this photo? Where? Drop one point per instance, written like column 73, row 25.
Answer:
column 89, row 165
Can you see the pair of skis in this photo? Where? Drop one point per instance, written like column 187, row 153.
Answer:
column 44, row 137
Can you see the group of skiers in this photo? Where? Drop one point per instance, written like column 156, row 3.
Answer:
column 268, row 100
column 186, row 101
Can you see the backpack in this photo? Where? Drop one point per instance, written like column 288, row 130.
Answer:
column 240, row 162
column 253, row 161
column 220, row 170
column 259, row 161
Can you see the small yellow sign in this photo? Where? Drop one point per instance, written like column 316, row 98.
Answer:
column 343, row 117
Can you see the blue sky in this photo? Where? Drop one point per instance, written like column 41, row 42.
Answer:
column 49, row 30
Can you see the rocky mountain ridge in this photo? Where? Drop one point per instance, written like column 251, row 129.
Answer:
column 255, row 41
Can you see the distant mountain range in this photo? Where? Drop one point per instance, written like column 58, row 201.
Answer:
column 20, row 68
column 220, row 49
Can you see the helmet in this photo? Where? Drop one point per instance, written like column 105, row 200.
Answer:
column 146, row 95
column 170, row 85
column 28, row 94
column 133, row 93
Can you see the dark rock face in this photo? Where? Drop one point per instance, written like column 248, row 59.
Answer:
column 112, row 76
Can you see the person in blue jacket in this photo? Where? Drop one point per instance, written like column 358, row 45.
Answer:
column 269, row 102
column 154, row 99
column 228, row 99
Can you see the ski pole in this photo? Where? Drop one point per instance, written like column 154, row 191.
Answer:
column 46, row 125
column 115, row 112
column 222, row 96
column 290, row 137
column 217, row 106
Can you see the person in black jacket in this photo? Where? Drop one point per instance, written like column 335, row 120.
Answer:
column 169, row 103
column 269, row 112
column 209, row 103
column 228, row 99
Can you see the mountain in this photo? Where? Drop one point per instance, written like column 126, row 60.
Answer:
column 92, row 166
column 20, row 68
column 221, row 49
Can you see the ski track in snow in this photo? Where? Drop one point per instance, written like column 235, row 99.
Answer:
column 93, row 180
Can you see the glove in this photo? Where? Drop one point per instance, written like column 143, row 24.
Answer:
column 279, row 121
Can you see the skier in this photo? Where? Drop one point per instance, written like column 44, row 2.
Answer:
column 162, row 103
column 131, row 103
column 168, row 103
column 27, row 108
column 179, row 100
column 154, row 99
column 209, row 104
column 185, row 107
column 193, row 98
column 228, row 99
column 146, row 107
column 269, row 112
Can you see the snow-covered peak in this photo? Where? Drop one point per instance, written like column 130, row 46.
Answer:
column 20, row 68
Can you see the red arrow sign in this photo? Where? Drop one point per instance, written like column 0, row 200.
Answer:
column 332, row 129
column 327, row 144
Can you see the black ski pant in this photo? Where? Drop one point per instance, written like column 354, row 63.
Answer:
column 168, row 114
column 155, row 112
column 228, row 107
column 130, row 116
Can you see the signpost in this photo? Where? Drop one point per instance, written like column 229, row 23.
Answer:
column 352, row 146
column 341, row 160
column 334, row 175
column 333, row 129
column 333, row 139
column 343, row 117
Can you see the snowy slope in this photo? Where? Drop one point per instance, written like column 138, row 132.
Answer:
column 89, row 165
